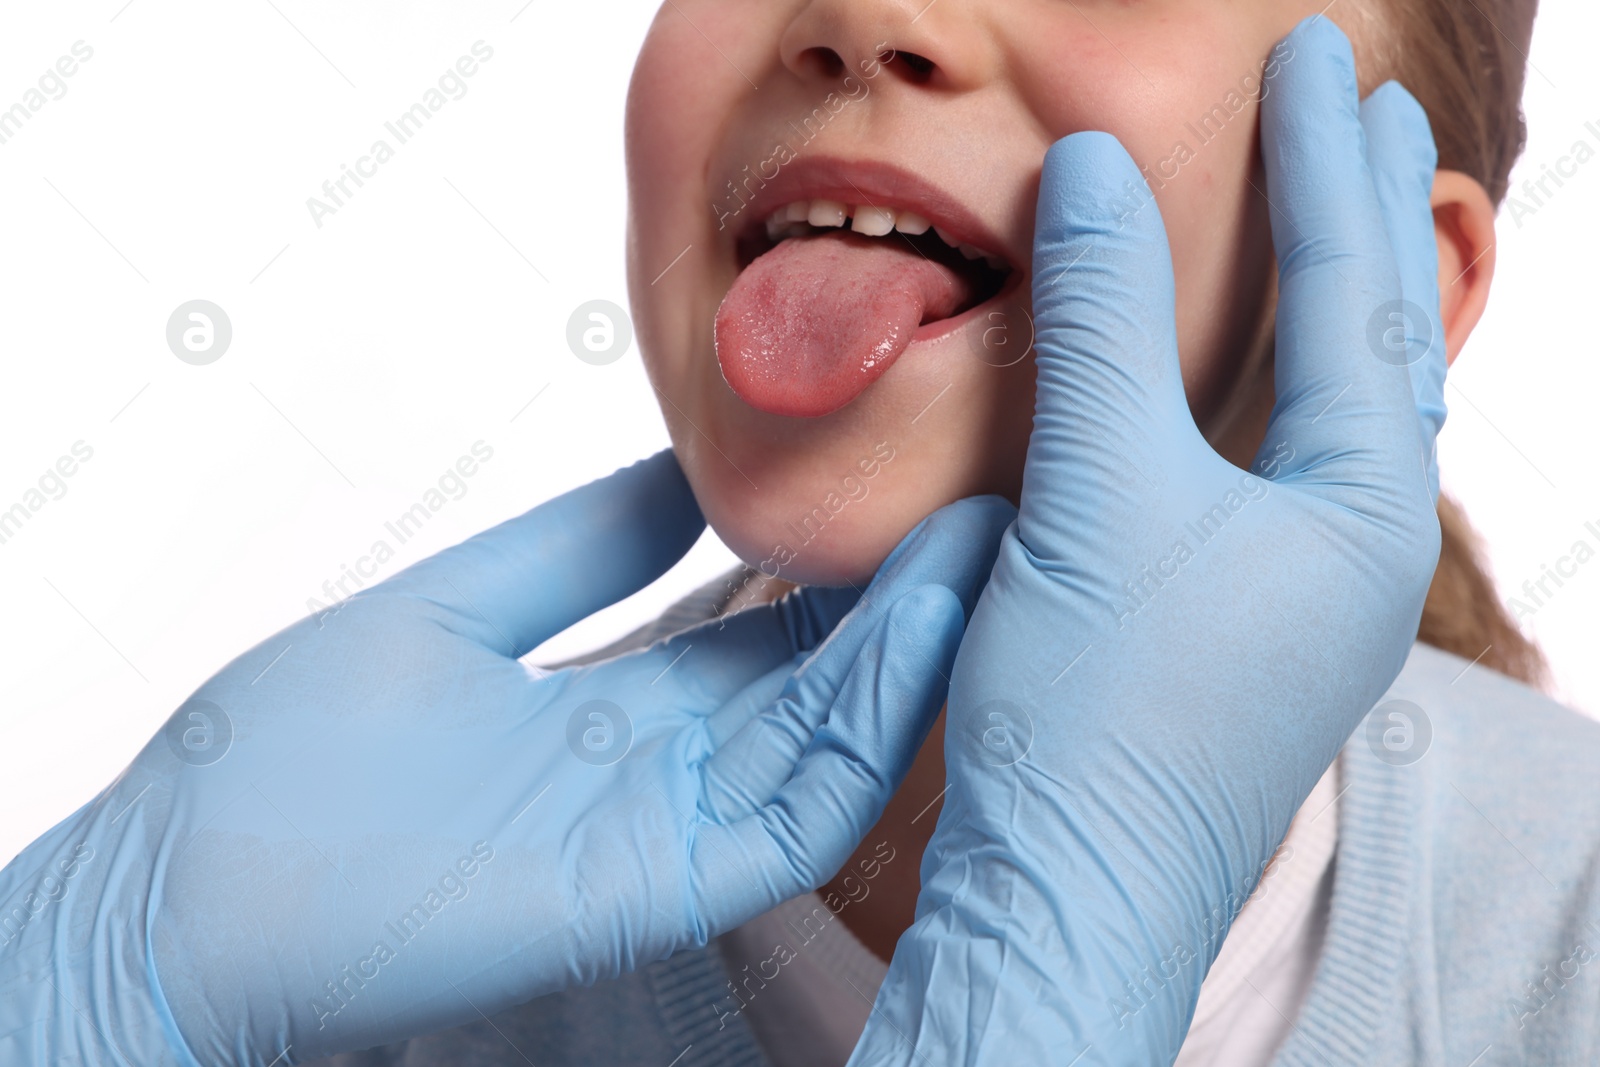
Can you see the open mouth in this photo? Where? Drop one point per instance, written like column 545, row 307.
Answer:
column 985, row 273
column 831, row 293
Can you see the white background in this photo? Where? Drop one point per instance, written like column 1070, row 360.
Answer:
column 371, row 353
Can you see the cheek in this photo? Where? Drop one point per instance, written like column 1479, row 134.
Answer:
column 670, row 107
column 1195, row 141
column 687, row 88
column 687, row 85
column 1218, row 230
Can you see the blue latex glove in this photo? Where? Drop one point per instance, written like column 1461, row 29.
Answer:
column 410, row 828
column 1172, row 650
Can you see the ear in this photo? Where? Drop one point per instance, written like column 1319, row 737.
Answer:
column 1463, row 224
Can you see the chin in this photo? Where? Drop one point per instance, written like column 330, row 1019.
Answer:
column 824, row 500
column 826, row 517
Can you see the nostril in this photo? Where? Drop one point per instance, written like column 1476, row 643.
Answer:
column 823, row 61
column 917, row 68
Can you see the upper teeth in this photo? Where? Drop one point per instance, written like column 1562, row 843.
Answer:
column 863, row 219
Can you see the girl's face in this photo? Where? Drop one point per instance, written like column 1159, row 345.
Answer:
column 945, row 109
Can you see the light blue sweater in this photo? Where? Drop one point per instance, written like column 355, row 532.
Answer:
column 1464, row 929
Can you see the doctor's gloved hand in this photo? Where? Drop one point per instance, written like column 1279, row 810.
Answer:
column 1172, row 650
column 380, row 823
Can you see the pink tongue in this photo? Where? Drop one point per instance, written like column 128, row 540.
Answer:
column 814, row 321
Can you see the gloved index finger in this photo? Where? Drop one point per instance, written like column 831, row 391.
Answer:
column 833, row 791
column 702, row 668
column 1345, row 411
column 954, row 548
column 1403, row 159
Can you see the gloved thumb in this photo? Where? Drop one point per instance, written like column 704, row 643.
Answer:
column 517, row 584
column 1106, row 339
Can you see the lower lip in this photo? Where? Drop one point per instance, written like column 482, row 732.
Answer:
column 941, row 328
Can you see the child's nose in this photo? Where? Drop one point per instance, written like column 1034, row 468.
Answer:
column 918, row 42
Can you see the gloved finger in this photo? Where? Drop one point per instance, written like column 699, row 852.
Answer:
column 702, row 668
column 514, row 585
column 1106, row 341
column 748, row 703
column 1403, row 160
column 1343, row 413
column 954, row 547
column 854, row 763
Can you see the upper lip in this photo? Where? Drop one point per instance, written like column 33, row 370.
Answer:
column 870, row 182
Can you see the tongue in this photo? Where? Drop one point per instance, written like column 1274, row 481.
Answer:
column 813, row 322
